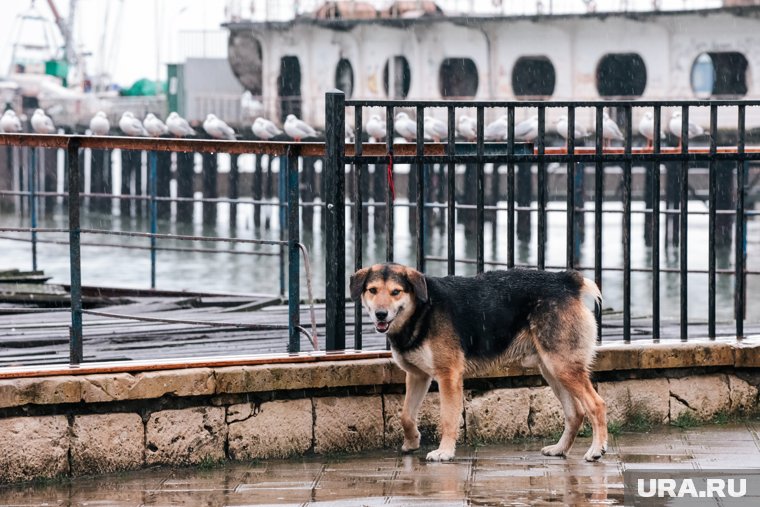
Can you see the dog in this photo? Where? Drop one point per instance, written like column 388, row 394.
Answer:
column 444, row 328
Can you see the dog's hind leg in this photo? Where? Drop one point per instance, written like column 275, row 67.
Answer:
column 573, row 416
column 578, row 383
column 417, row 386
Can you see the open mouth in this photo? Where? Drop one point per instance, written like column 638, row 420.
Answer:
column 382, row 327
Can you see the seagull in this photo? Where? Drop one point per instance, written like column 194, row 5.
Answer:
column 9, row 123
column 561, row 127
column 610, row 129
column 265, row 129
column 435, row 129
column 250, row 107
column 42, row 123
column 405, row 127
column 675, row 126
column 467, row 128
column 646, row 128
column 178, row 126
column 298, row 129
column 99, row 125
column 527, row 130
column 154, row 126
column 217, row 129
column 349, row 132
column 497, row 130
column 376, row 128
column 131, row 125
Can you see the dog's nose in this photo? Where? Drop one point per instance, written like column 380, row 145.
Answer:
column 381, row 314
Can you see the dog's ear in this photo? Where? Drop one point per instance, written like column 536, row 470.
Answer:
column 356, row 283
column 419, row 284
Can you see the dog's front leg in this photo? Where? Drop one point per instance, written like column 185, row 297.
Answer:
column 451, row 391
column 416, row 388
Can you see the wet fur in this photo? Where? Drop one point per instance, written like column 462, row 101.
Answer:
column 445, row 327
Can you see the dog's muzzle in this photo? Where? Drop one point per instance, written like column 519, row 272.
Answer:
column 382, row 326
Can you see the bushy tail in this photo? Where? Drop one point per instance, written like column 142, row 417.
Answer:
column 589, row 287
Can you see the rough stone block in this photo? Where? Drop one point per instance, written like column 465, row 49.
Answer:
column 649, row 398
column 703, row 395
column 546, row 414
column 276, row 377
column 428, row 421
column 154, row 384
column 187, row 436
column 103, row 388
column 106, row 443
column 498, row 415
column 39, row 391
column 682, row 355
column 618, row 400
column 612, row 357
column 276, row 429
column 348, row 424
column 33, row 447
column 743, row 394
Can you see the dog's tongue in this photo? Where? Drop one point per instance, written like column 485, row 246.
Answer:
column 382, row 326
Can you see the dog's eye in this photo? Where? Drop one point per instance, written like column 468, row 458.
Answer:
column 373, row 290
column 395, row 292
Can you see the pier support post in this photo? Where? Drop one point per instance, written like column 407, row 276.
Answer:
column 210, row 170
column 335, row 234
column 185, row 187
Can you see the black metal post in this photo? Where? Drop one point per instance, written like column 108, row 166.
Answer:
column 541, row 190
column 358, row 224
column 570, row 197
column 233, row 191
column 389, row 223
column 480, row 195
column 511, row 187
column 294, row 267
column 335, row 234
column 598, row 200
column 740, row 238
column 683, row 224
column 451, row 195
column 711, row 223
column 656, row 227
column 75, row 332
column 627, row 227
column 420, row 172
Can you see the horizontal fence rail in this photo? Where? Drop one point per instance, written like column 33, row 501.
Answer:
column 726, row 155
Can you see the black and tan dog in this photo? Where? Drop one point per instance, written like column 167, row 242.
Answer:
column 444, row 328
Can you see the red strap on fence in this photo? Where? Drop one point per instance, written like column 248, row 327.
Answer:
column 390, row 176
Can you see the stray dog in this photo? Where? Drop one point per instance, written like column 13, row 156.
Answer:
column 443, row 328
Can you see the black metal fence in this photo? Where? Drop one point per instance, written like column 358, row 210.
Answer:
column 722, row 161
column 288, row 246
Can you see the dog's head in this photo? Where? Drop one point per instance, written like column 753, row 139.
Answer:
column 390, row 293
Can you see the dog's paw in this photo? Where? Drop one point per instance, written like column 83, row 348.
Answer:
column 595, row 453
column 411, row 445
column 554, row 450
column 440, row 455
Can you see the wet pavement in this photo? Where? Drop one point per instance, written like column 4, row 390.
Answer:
column 505, row 474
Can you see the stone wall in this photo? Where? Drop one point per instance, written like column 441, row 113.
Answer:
column 99, row 423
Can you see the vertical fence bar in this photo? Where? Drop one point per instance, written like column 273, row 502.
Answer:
column 480, row 196
column 570, row 198
column 33, row 203
column 152, row 177
column 420, row 197
column 358, row 221
column 740, row 239
column 294, row 267
column 282, row 197
column 335, row 233
column 711, row 223
column 541, row 190
column 75, row 261
column 388, row 194
column 451, row 178
column 598, row 198
column 656, row 227
column 683, row 223
column 511, row 187
column 627, row 227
